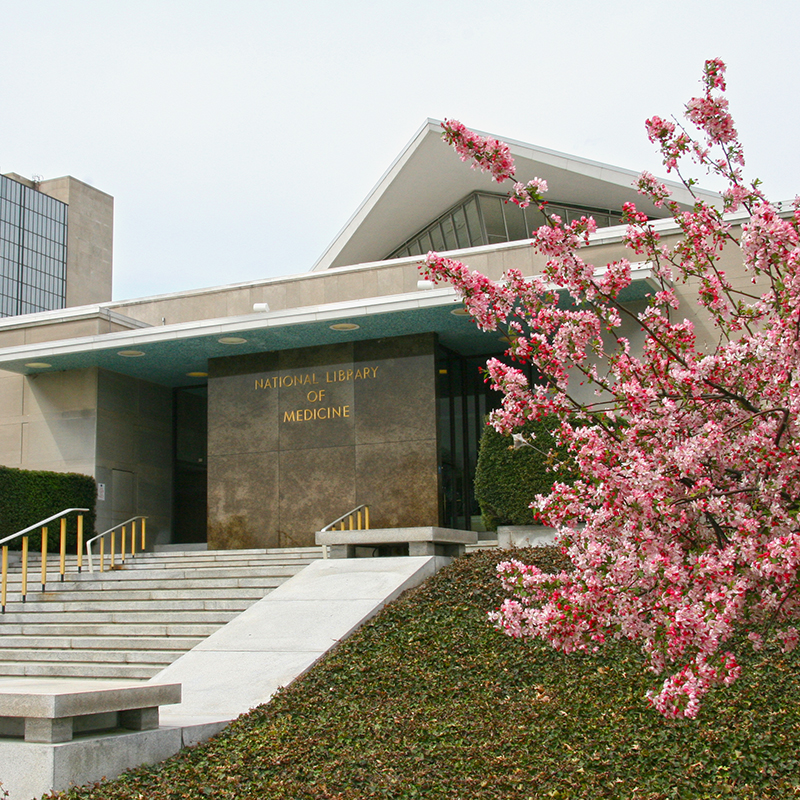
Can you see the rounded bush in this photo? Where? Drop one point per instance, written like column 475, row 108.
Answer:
column 507, row 479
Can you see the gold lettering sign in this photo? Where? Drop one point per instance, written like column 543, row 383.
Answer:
column 323, row 412
column 312, row 378
column 316, row 395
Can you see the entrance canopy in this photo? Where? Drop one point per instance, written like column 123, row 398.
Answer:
column 178, row 355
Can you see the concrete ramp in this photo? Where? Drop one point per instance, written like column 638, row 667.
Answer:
column 280, row 637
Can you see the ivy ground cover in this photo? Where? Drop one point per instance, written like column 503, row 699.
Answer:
column 429, row 701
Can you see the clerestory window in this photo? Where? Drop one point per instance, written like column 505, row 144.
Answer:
column 485, row 218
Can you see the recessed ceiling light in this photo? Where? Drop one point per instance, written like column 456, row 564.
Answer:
column 231, row 340
column 345, row 326
column 130, row 353
column 196, row 374
column 460, row 312
column 38, row 365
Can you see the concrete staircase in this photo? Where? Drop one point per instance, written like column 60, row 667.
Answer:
column 132, row 622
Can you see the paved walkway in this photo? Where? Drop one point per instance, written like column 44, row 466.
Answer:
column 280, row 637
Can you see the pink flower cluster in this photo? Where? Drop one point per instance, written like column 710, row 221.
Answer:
column 488, row 154
column 683, row 530
column 531, row 192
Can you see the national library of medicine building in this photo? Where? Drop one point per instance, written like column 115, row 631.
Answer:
column 251, row 415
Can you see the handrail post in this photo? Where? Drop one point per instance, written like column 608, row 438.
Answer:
column 133, row 539
column 44, row 557
column 62, row 564
column 113, row 541
column 24, row 568
column 144, row 521
column 102, row 553
column 4, row 579
column 122, row 553
column 80, row 542
column 366, row 517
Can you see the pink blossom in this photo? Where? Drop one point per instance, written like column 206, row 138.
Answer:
column 683, row 527
column 486, row 153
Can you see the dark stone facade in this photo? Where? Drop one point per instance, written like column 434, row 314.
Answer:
column 298, row 437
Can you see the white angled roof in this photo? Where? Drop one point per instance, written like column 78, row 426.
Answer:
column 428, row 178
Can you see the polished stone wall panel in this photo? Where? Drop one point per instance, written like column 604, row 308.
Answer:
column 400, row 410
column 316, row 486
column 134, row 435
column 242, row 501
column 399, row 481
column 331, row 427
column 237, row 405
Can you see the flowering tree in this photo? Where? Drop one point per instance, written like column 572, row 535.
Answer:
column 683, row 529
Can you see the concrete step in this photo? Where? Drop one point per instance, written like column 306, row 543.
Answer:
column 151, row 582
column 148, row 563
column 187, row 604
column 92, row 656
column 204, row 557
column 119, row 617
column 133, row 621
column 89, row 642
column 132, row 630
column 52, row 670
column 152, row 591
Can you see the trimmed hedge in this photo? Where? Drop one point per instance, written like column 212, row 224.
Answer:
column 507, row 480
column 27, row 496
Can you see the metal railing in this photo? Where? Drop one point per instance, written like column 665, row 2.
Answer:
column 112, row 534
column 62, row 515
column 349, row 521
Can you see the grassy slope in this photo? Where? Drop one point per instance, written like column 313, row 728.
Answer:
column 428, row 701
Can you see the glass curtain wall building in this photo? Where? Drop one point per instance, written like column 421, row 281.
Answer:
column 33, row 250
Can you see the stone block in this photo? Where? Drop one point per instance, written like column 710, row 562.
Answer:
column 139, row 719
column 41, row 729
column 421, row 541
column 509, row 536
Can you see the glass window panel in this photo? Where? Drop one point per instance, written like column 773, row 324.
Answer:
column 476, row 234
column 450, row 242
column 437, row 238
column 534, row 219
column 492, row 212
column 460, row 227
column 414, row 249
column 515, row 222
column 573, row 214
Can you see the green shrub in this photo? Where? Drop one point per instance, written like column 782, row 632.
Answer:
column 507, row 480
column 27, row 496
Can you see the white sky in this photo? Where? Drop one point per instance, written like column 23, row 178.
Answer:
column 238, row 137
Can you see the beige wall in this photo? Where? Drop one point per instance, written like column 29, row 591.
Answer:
column 99, row 423
column 90, row 234
column 47, row 421
column 134, row 453
column 375, row 280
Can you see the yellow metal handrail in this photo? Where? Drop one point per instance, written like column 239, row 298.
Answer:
column 62, row 515
column 123, row 528
column 349, row 521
